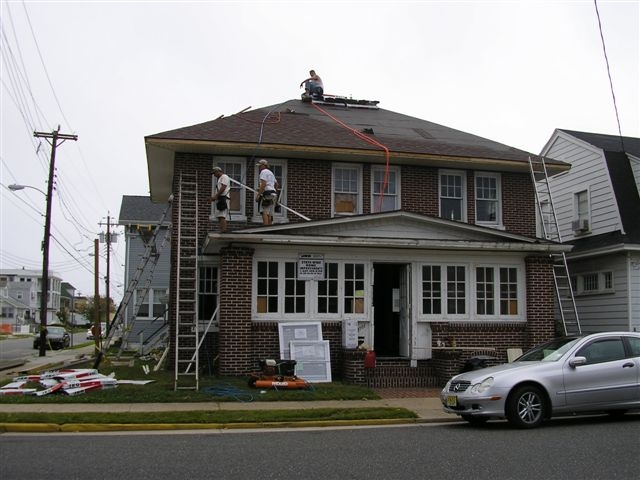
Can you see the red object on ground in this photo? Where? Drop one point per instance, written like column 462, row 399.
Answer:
column 370, row 359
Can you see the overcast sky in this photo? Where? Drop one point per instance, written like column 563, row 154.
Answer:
column 113, row 72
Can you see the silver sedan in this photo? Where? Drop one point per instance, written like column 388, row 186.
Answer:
column 593, row 373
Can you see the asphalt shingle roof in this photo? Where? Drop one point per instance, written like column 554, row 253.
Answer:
column 302, row 124
column 136, row 210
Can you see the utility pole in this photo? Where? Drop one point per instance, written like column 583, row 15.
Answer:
column 96, row 296
column 108, row 238
column 53, row 138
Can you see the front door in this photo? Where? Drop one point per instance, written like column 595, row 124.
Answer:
column 391, row 310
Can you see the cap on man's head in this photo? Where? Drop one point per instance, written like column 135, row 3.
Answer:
column 262, row 162
column 217, row 169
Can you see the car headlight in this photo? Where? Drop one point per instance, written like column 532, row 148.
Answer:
column 446, row 387
column 483, row 386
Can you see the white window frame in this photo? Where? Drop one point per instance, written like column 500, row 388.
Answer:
column 498, row 200
column 602, row 278
column 471, row 292
column 580, row 213
column 444, row 314
column 279, row 168
column 224, row 163
column 375, row 196
column 360, row 312
column 463, row 198
column 358, row 170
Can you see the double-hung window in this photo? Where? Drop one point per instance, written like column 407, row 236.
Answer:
column 236, row 170
column 279, row 169
column 207, row 292
column 452, row 195
column 488, row 199
column 385, row 185
column 347, row 189
column 581, row 211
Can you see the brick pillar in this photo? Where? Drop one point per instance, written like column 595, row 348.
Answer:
column 236, row 356
column 540, row 300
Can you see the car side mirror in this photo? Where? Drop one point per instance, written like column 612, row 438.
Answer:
column 577, row 361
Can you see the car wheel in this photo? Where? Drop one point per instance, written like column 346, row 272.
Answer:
column 473, row 420
column 526, row 407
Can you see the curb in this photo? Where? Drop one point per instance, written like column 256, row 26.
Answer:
column 128, row 427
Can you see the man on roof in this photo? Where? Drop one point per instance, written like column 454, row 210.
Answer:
column 313, row 85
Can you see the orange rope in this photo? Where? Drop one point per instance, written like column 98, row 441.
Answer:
column 370, row 141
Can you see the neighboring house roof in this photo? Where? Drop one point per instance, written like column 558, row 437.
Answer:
column 395, row 229
column 296, row 129
column 610, row 143
column 615, row 150
column 22, row 272
column 139, row 210
column 14, row 303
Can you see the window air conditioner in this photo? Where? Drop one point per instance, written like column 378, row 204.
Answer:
column 580, row 225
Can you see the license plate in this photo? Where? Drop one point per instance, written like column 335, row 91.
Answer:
column 452, row 401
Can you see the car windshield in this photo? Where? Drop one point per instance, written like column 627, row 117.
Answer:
column 551, row 351
column 55, row 331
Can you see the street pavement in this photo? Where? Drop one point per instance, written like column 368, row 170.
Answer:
column 427, row 409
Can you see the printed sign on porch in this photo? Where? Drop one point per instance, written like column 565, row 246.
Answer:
column 311, row 266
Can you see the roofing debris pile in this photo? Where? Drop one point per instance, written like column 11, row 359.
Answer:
column 67, row 381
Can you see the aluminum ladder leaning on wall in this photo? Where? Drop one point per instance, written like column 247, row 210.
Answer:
column 186, row 362
column 566, row 303
column 151, row 254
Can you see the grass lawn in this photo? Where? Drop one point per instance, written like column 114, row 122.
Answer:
column 212, row 389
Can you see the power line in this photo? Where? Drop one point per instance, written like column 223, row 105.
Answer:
column 606, row 58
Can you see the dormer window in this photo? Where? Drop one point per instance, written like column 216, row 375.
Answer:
column 581, row 214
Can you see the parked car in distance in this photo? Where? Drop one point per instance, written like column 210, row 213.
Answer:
column 103, row 331
column 57, row 338
column 593, row 373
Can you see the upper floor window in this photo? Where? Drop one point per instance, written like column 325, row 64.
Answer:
column 385, row 187
column 235, row 169
column 279, row 169
column 347, row 189
column 488, row 199
column 452, row 195
column 581, row 212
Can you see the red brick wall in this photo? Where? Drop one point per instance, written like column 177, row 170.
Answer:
column 540, row 300
column 420, row 190
column 237, row 356
column 518, row 204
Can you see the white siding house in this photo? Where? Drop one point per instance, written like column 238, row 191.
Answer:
column 139, row 217
column 597, row 205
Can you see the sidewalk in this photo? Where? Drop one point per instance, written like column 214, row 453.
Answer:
column 428, row 409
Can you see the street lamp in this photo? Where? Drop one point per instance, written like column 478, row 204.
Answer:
column 44, row 295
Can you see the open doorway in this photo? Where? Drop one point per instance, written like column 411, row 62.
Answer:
column 390, row 310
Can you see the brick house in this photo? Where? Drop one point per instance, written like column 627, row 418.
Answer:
column 421, row 234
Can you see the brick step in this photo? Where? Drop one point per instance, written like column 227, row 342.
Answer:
column 398, row 374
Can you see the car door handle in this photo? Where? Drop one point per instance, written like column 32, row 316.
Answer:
column 628, row 365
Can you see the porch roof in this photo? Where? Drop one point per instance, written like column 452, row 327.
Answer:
column 389, row 230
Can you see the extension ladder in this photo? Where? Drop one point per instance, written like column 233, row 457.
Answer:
column 551, row 230
column 149, row 258
column 186, row 362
